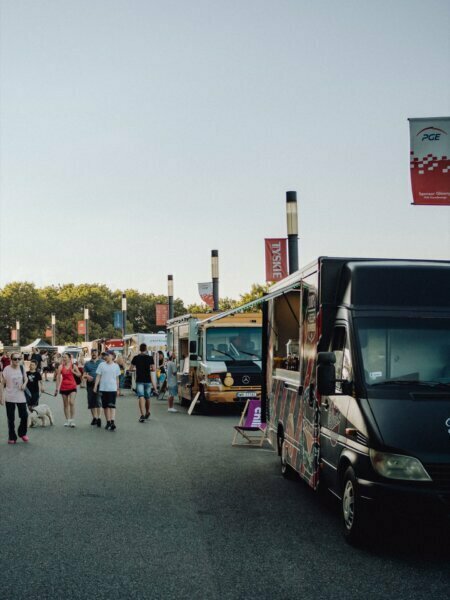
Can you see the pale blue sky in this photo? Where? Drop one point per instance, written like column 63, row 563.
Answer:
column 138, row 135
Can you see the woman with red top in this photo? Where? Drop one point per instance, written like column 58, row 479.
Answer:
column 67, row 386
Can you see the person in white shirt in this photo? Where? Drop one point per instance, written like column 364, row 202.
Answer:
column 107, row 382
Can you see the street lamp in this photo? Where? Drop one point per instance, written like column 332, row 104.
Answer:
column 124, row 315
column 170, row 294
column 18, row 333
column 86, row 324
column 53, row 330
column 292, row 230
column 215, row 277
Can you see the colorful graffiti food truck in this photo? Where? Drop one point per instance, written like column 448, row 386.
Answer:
column 356, row 383
column 219, row 356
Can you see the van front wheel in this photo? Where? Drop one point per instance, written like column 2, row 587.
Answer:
column 354, row 519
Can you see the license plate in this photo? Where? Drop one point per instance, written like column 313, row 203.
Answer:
column 246, row 395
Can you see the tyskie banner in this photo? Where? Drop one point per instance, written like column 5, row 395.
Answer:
column 276, row 259
column 430, row 160
column 205, row 291
column 81, row 327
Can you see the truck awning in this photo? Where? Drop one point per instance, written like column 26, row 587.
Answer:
column 248, row 305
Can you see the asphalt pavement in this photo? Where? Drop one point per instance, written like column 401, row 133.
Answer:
column 169, row 509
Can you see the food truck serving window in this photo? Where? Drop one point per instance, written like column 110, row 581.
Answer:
column 233, row 343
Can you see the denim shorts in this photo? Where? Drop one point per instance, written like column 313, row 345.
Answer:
column 143, row 390
column 173, row 390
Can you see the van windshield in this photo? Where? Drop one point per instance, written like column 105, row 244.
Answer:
column 405, row 350
column 233, row 343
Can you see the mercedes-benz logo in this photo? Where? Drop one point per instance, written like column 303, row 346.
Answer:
column 246, row 381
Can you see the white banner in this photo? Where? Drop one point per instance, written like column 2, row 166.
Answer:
column 430, row 160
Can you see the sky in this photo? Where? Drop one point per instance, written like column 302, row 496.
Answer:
column 138, row 135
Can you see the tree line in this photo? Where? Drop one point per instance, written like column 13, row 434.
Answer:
column 33, row 307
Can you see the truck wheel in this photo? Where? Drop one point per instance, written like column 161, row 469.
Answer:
column 354, row 518
column 286, row 470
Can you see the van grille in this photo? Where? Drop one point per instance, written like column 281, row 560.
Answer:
column 440, row 474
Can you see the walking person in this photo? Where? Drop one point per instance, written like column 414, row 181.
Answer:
column 67, row 386
column 172, row 383
column 93, row 398
column 36, row 356
column 35, row 386
column 13, row 383
column 144, row 364
column 107, row 381
column 122, row 366
column 5, row 360
column 44, row 365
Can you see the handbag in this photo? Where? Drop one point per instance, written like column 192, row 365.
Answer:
column 77, row 378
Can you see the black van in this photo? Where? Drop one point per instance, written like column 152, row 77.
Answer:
column 367, row 412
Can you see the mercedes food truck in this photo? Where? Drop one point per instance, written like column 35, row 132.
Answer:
column 356, row 384
column 218, row 356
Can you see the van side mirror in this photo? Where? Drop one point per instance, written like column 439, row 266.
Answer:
column 326, row 373
column 192, row 347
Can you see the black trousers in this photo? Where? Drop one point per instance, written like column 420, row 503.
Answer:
column 11, row 413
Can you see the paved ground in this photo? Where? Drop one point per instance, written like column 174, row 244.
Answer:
column 168, row 509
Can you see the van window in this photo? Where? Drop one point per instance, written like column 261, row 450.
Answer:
column 403, row 349
column 340, row 347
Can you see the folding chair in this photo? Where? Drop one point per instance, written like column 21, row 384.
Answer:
column 250, row 426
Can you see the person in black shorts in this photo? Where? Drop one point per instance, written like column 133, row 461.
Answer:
column 93, row 398
column 34, row 385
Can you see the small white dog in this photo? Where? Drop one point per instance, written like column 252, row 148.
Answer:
column 40, row 415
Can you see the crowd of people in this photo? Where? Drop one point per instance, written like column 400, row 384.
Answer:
column 103, row 374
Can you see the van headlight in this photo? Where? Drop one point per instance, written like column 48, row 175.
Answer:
column 398, row 466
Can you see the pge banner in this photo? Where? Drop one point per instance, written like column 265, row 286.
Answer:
column 276, row 259
column 205, row 291
column 430, row 160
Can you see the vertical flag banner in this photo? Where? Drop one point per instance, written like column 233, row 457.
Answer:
column 206, row 293
column 48, row 333
column 276, row 259
column 162, row 314
column 117, row 319
column 430, row 160
column 14, row 335
column 81, row 328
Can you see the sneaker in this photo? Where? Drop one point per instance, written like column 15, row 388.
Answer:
column 25, row 438
column 113, row 426
column 99, row 422
column 147, row 416
column 94, row 421
column 108, row 425
column 12, row 441
column 172, row 410
column 72, row 423
column 142, row 419
column 67, row 424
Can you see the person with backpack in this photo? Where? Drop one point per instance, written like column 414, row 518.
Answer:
column 13, row 383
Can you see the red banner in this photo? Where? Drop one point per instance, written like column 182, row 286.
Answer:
column 430, row 160
column 48, row 333
column 13, row 335
column 162, row 314
column 276, row 259
column 81, row 328
column 205, row 291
